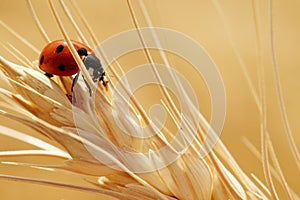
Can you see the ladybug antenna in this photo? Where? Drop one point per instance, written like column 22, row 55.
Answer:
column 82, row 52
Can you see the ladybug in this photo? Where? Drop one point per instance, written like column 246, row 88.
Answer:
column 56, row 59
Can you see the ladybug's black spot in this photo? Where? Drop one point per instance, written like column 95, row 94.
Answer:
column 59, row 49
column 42, row 60
column 61, row 67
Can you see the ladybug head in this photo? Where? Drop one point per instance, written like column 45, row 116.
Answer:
column 82, row 52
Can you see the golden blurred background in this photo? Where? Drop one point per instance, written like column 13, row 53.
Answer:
column 200, row 20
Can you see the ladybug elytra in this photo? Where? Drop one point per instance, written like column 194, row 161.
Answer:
column 56, row 58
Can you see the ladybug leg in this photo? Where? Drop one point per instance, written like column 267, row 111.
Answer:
column 73, row 99
column 75, row 81
column 48, row 75
column 102, row 79
column 73, row 84
column 88, row 86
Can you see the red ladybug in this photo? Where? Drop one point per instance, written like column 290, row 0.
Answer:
column 56, row 58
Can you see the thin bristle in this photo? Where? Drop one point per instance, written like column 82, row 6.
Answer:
column 37, row 22
column 64, row 185
column 18, row 55
column 22, row 39
column 22, row 56
column 85, row 23
column 274, row 172
column 266, row 165
column 241, row 61
column 133, row 99
column 283, row 112
column 79, row 32
column 278, row 169
column 261, row 184
column 151, row 62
